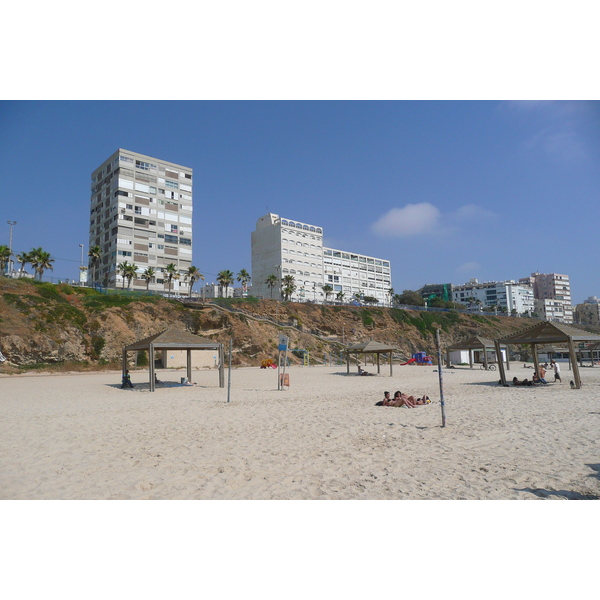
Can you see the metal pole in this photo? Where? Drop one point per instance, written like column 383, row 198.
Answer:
column 439, row 354
column 229, row 372
column 10, row 262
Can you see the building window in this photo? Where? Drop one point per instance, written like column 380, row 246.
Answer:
column 172, row 184
column 170, row 239
column 185, row 241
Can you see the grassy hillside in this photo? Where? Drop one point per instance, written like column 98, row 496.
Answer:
column 42, row 324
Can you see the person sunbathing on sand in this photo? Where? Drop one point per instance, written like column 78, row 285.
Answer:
column 401, row 399
column 524, row 382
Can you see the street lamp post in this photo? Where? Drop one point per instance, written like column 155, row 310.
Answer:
column 82, row 269
column 10, row 261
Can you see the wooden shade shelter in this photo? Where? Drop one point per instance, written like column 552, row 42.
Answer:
column 476, row 343
column 548, row 333
column 370, row 347
column 171, row 339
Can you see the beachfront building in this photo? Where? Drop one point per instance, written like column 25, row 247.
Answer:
column 283, row 247
column 555, row 287
column 141, row 212
column 588, row 313
column 214, row 290
column 508, row 297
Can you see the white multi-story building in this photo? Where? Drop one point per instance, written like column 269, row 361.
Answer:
column 214, row 290
column 508, row 295
column 141, row 212
column 555, row 287
column 283, row 247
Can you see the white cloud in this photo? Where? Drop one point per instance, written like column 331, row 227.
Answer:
column 425, row 218
column 468, row 267
column 412, row 219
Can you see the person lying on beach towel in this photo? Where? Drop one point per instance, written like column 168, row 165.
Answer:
column 386, row 399
column 401, row 399
column 524, row 382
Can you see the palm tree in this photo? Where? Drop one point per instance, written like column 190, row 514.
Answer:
column 272, row 281
column 40, row 260
column 289, row 286
column 131, row 274
column 148, row 275
column 328, row 290
column 391, row 292
column 23, row 258
column 225, row 279
column 340, row 296
column 171, row 271
column 244, row 278
column 193, row 275
column 122, row 270
column 95, row 255
column 5, row 255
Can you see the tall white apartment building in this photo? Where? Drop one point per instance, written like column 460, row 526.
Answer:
column 509, row 294
column 141, row 212
column 555, row 287
column 283, row 247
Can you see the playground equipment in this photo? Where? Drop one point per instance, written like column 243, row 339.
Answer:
column 421, row 359
column 268, row 362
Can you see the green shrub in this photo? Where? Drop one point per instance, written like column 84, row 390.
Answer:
column 65, row 288
column 98, row 343
column 142, row 358
column 366, row 318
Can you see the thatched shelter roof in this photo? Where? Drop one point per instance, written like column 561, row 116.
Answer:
column 473, row 343
column 549, row 333
column 369, row 347
column 173, row 339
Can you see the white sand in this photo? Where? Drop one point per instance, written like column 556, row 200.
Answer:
column 79, row 436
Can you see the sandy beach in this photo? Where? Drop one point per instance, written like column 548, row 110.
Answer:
column 79, row 436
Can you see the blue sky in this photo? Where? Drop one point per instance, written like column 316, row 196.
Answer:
column 447, row 190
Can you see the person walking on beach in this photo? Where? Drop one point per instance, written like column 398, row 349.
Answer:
column 556, row 367
column 126, row 380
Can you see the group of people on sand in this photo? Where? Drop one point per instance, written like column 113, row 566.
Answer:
column 401, row 399
column 540, row 377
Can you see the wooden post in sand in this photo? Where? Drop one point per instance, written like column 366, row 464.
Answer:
column 439, row 355
column 229, row 371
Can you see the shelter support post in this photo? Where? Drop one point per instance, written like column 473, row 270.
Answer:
column 471, row 358
column 221, row 367
column 447, row 359
column 151, row 369
column 124, row 362
column 574, row 363
column 485, row 360
column 536, row 360
column 507, row 358
column 378, row 365
column 347, row 363
column 189, row 365
column 391, row 373
column 501, row 363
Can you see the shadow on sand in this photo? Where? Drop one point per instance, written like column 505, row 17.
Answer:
column 568, row 494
